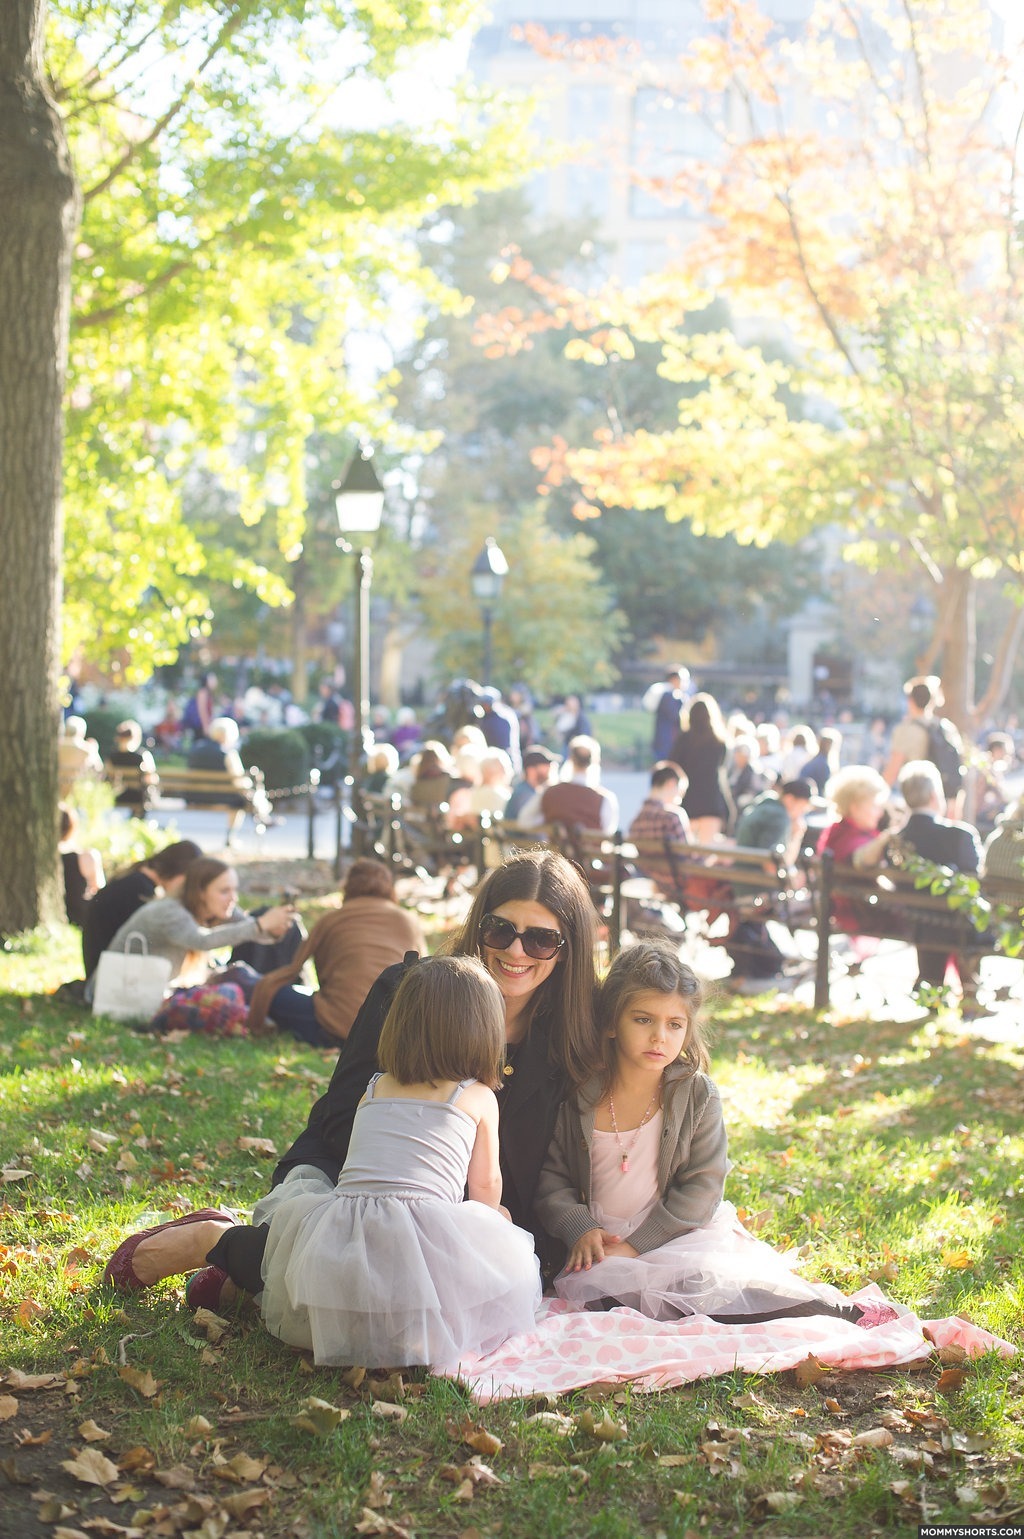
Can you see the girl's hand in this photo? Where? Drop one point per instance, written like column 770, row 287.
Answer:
column 590, row 1247
column 620, row 1248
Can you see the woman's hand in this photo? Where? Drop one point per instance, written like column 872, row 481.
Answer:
column 275, row 921
column 590, row 1247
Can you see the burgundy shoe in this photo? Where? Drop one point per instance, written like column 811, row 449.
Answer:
column 203, row 1289
column 120, row 1272
column 876, row 1313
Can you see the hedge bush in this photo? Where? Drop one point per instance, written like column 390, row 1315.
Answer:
column 281, row 753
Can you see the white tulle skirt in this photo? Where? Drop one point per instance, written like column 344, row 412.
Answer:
column 389, row 1281
column 719, row 1269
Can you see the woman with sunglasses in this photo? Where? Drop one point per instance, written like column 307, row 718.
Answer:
column 533, row 925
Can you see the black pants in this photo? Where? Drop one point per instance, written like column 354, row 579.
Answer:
column 239, row 1252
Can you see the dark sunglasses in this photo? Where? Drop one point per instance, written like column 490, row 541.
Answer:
column 498, row 934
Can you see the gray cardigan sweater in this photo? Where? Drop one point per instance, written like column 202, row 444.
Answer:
column 692, row 1162
column 170, row 931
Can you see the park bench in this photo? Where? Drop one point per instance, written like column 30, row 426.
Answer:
column 707, row 881
column 214, row 791
column 890, row 904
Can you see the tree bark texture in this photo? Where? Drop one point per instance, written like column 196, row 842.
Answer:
column 40, row 203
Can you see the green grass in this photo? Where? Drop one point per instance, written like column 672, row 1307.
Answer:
column 879, row 1150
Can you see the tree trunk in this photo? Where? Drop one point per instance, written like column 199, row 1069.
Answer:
column 959, row 649
column 40, row 205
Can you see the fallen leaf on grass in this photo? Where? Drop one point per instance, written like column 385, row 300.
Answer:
column 353, row 1377
column 91, row 1432
column 32, row 1439
column 377, row 1496
column 214, row 1325
column 958, row 1260
column 952, row 1356
column 240, row 1469
column 387, row 1411
column 555, row 1421
column 198, row 1426
column 374, row 1523
column 575, row 1472
column 142, row 1381
column 8, row 1407
column 603, row 1429
column 138, row 1460
column 10, row 1173
column 264, row 1146
column 27, row 1312
column 474, row 1470
column 178, row 1478
column 810, row 1371
column 474, row 1436
column 92, row 1468
column 874, row 1437
column 18, row 1380
column 241, row 1504
column 319, row 1416
column 779, row 1501
column 950, row 1380
column 674, row 1461
column 51, row 1508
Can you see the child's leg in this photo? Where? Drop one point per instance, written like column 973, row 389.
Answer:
column 239, row 1253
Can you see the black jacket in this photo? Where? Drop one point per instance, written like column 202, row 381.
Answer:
column 528, row 1103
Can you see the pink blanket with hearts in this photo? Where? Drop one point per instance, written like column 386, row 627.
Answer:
column 570, row 1348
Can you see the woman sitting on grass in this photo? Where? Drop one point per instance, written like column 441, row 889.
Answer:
column 349, row 949
column 185, row 930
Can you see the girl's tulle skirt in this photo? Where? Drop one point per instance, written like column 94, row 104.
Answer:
column 389, row 1281
column 719, row 1269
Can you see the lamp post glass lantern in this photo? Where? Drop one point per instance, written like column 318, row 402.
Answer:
column 488, row 572
column 359, row 503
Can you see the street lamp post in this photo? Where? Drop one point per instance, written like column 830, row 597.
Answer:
column 486, row 577
column 359, row 502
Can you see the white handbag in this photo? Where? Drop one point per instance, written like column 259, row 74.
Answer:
column 130, row 984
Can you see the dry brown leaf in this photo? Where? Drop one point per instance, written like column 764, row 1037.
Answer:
column 810, row 1371
column 10, row 1173
column 463, row 1492
column 377, row 1496
column 952, row 1355
column 92, row 1468
column 214, row 1325
column 781, row 1501
column 575, row 1472
column 142, row 1381
column 91, row 1432
column 241, row 1504
column 353, row 1377
column 8, row 1407
column 874, row 1437
column 178, row 1478
column 263, row 1146
column 387, row 1411
column 18, row 1380
column 33, row 1439
column 605, row 1429
column 241, row 1468
column 138, row 1460
column 675, row 1461
column 198, row 1426
column 69, row 1533
column 553, row 1420
column 319, row 1416
column 376, row 1523
column 27, row 1312
column 51, row 1509
column 950, row 1380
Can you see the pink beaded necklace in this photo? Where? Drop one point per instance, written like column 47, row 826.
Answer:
column 625, row 1150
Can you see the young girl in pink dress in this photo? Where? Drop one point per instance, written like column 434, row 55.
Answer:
column 393, row 1267
column 635, row 1175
